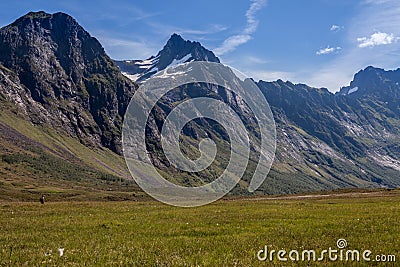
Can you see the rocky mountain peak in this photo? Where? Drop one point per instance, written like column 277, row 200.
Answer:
column 176, row 51
column 175, row 40
column 374, row 82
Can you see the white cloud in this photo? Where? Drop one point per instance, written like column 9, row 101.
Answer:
column 328, row 50
column 218, row 28
column 234, row 41
column 255, row 60
column 335, row 28
column 375, row 2
column 271, row 75
column 166, row 29
column 231, row 43
column 378, row 38
column 126, row 49
column 252, row 22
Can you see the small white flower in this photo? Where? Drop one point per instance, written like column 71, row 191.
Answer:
column 61, row 251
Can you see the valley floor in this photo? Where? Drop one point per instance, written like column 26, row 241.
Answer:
column 229, row 232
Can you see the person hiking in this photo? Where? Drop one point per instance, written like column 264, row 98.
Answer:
column 42, row 199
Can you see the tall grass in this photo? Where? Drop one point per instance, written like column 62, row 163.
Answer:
column 227, row 233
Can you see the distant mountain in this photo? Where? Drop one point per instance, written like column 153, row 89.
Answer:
column 337, row 140
column 377, row 84
column 63, row 100
column 176, row 51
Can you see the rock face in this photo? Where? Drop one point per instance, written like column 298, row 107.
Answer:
column 62, row 77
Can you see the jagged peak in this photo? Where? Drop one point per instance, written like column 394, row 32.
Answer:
column 369, row 72
column 176, row 43
column 372, row 81
column 175, row 38
column 177, row 48
column 176, row 51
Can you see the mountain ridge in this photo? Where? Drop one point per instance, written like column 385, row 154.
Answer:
column 63, row 99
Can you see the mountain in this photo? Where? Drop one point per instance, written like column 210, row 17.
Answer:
column 62, row 103
column 67, row 79
column 325, row 140
column 63, row 100
column 176, row 51
column 376, row 84
column 348, row 139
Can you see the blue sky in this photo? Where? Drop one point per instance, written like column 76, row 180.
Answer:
column 322, row 43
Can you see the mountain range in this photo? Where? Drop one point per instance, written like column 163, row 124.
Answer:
column 63, row 100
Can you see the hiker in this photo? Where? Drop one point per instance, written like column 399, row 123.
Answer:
column 42, row 199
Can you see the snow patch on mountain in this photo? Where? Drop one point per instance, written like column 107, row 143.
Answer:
column 132, row 77
column 185, row 59
column 353, row 90
column 148, row 62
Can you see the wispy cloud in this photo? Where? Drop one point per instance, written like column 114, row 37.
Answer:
column 328, row 50
column 368, row 2
column 231, row 43
column 336, row 28
column 127, row 49
column 121, row 15
column 271, row 75
column 167, row 29
column 255, row 60
column 234, row 41
column 252, row 22
column 378, row 38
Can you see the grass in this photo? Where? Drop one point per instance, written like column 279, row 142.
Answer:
column 226, row 233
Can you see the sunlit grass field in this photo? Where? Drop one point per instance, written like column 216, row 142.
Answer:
column 226, row 233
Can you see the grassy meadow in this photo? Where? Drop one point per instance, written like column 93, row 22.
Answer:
column 225, row 233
